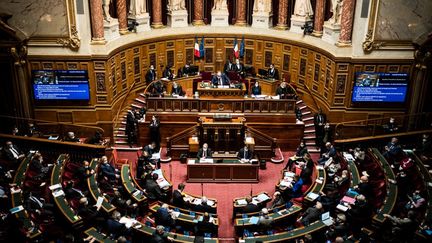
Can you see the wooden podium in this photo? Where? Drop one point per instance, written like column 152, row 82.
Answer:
column 226, row 92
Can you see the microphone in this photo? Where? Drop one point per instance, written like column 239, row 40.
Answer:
column 202, row 189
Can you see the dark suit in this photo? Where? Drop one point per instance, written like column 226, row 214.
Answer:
column 178, row 200
column 81, row 174
column 311, row 215
column 167, row 73
column 242, row 154
column 228, row 67
column 130, row 128
column 319, row 120
column 251, row 208
column 153, row 190
column 186, row 70
column 217, row 80
column 108, row 171
column 157, row 238
column 273, row 73
column 366, row 190
column 10, row 155
column 204, row 227
column 150, row 76
column 201, row 152
column 284, row 92
column 177, row 91
column 163, row 217
column 239, row 69
column 154, row 132
column 203, row 207
column 256, row 90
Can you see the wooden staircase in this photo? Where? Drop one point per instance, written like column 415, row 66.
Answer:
column 309, row 127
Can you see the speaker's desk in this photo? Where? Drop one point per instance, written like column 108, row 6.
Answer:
column 228, row 170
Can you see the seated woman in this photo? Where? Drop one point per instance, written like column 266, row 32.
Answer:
column 256, row 89
column 292, row 191
column 301, row 151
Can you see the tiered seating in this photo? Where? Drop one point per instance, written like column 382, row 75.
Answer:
column 392, row 190
column 136, row 194
column 94, row 189
column 67, row 208
column 28, row 227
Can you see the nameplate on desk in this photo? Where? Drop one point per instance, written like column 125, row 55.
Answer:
column 208, row 161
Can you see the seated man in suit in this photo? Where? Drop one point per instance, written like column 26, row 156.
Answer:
column 393, row 151
column 177, row 197
column 159, row 235
column 148, row 152
column 13, row 153
column 391, row 126
column 84, row 172
column 158, row 89
column 284, row 91
column 256, row 89
column 150, row 75
column 204, row 152
column 220, row 79
column 250, row 206
column 272, row 72
column 244, row 154
column 177, row 89
column 37, row 165
column 153, row 190
column 108, row 170
column 205, row 226
column 163, row 216
column 70, row 137
column 328, row 153
column 186, row 70
column 203, row 207
column 311, row 214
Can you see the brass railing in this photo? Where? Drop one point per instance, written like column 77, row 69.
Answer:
column 370, row 128
column 45, row 129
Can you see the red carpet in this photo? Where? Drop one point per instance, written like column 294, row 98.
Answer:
column 224, row 193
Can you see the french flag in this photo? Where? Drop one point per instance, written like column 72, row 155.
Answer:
column 236, row 49
column 197, row 52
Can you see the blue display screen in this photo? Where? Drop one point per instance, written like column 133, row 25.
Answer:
column 61, row 85
column 380, row 87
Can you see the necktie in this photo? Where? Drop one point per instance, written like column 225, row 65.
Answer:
column 220, row 81
column 204, row 154
column 14, row 152
column 244, row 155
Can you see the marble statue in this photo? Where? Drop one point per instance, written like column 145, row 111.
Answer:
column 303, row 8
column 137, row 7
column 262, row 6
column 106, row 7
column 220, row 5
column 175, row 5
column 336, row 10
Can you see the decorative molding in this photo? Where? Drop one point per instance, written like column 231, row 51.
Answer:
column 70, row 40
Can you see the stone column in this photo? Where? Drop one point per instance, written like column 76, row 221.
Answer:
column 241, row 13
column 283, row 15
column 198, row 13
column 346, row 23
column 319, row 18
column 97, row 22
column 157, row 14
column 121, row 14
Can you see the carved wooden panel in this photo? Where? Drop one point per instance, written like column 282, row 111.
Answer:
column 249, row 57
column 268, row 56
column 152, row 59
column 136, row 65
column 170, row 57
column 302, row 69
column 177, row 105
column 316, row 72
column 208, row 55
column 189, row 55
column 101, row 99
column 194, row 105
column 123, row 71
column 286, row 62
column 100, row 82
column 64, row 116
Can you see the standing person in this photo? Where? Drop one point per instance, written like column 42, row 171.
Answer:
column 320, row 120
column 131, row 128
column 239, row 68
column 272, row 72
column 150, row 75
column 228, row 67
column 154, row 131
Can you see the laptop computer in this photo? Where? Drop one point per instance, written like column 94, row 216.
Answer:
column 326, row 219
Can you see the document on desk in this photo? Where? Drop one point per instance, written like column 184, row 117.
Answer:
column 155, row 156
column 99, row 202
column 55, row 187
column 58, row 193
column 16, row 209
column 208, row 161
column 253, row 220
column 262, row 197
column 241, row 202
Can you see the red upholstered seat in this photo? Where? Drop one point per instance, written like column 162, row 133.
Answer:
column 68, row 175
column 118, row 162
column 206, row 76
column 298, row 200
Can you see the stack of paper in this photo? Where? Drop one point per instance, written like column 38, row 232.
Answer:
column 55, row 187
column 253, row 220
column 263, row 197
column 58, row 193
column 312, row 195
column 241, row 202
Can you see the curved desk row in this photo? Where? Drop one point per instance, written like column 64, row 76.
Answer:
column 392, row 190
column 17, row 198
column 94, row 188
column 60, row 200
column 129, row 185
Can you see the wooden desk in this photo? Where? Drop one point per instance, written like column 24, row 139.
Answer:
column 288, row 236
column 221, row 93
column 129, row 185
column 99, row 237
column 61, row 201
column 268, row 86
column 392, row 190
column 17, row 199
column 227, row 171
column 193, row 144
